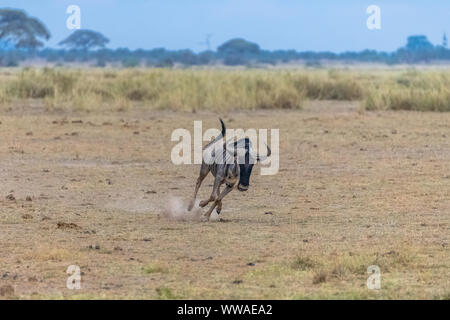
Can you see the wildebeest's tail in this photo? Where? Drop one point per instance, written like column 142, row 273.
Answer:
column 219, row 137
column 223, row 127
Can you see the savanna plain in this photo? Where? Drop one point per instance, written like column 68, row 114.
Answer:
column 86, row 179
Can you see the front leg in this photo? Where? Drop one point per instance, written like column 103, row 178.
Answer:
column 232, row 174
column 215, row 192
column 219, row 206
column 219, row 199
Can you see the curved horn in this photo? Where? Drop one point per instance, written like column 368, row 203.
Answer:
column 262, row 158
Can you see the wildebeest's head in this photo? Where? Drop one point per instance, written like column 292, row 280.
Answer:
column 246, row 161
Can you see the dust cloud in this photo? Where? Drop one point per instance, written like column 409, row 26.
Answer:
column 177, row 209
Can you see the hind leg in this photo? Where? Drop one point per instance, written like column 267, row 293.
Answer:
column 204, row 170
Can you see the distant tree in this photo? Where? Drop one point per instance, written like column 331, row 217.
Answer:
column 166, row 63
column 130, row 62
column 4, row 45
column 22, row 31
column 206, row 57
column 444, row 40
column 235, row 60
column 85, row 40
column 187, row 57
column 238, row 46
column 418, row 43
column 418, row 49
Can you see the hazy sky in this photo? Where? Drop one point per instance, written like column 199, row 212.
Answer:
column 274, row 24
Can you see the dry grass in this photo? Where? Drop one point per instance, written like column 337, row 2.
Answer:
column 354, row 189
column 222, row 90
column 154, row 268
column 187, row 90
column 49, row 253
column 411, row 90
column 157, row 89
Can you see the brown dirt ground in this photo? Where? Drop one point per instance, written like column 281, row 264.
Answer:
column 354, row 189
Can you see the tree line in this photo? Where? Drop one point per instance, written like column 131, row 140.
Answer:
column 22, row 37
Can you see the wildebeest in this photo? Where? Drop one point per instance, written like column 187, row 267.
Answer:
column 231, row 163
